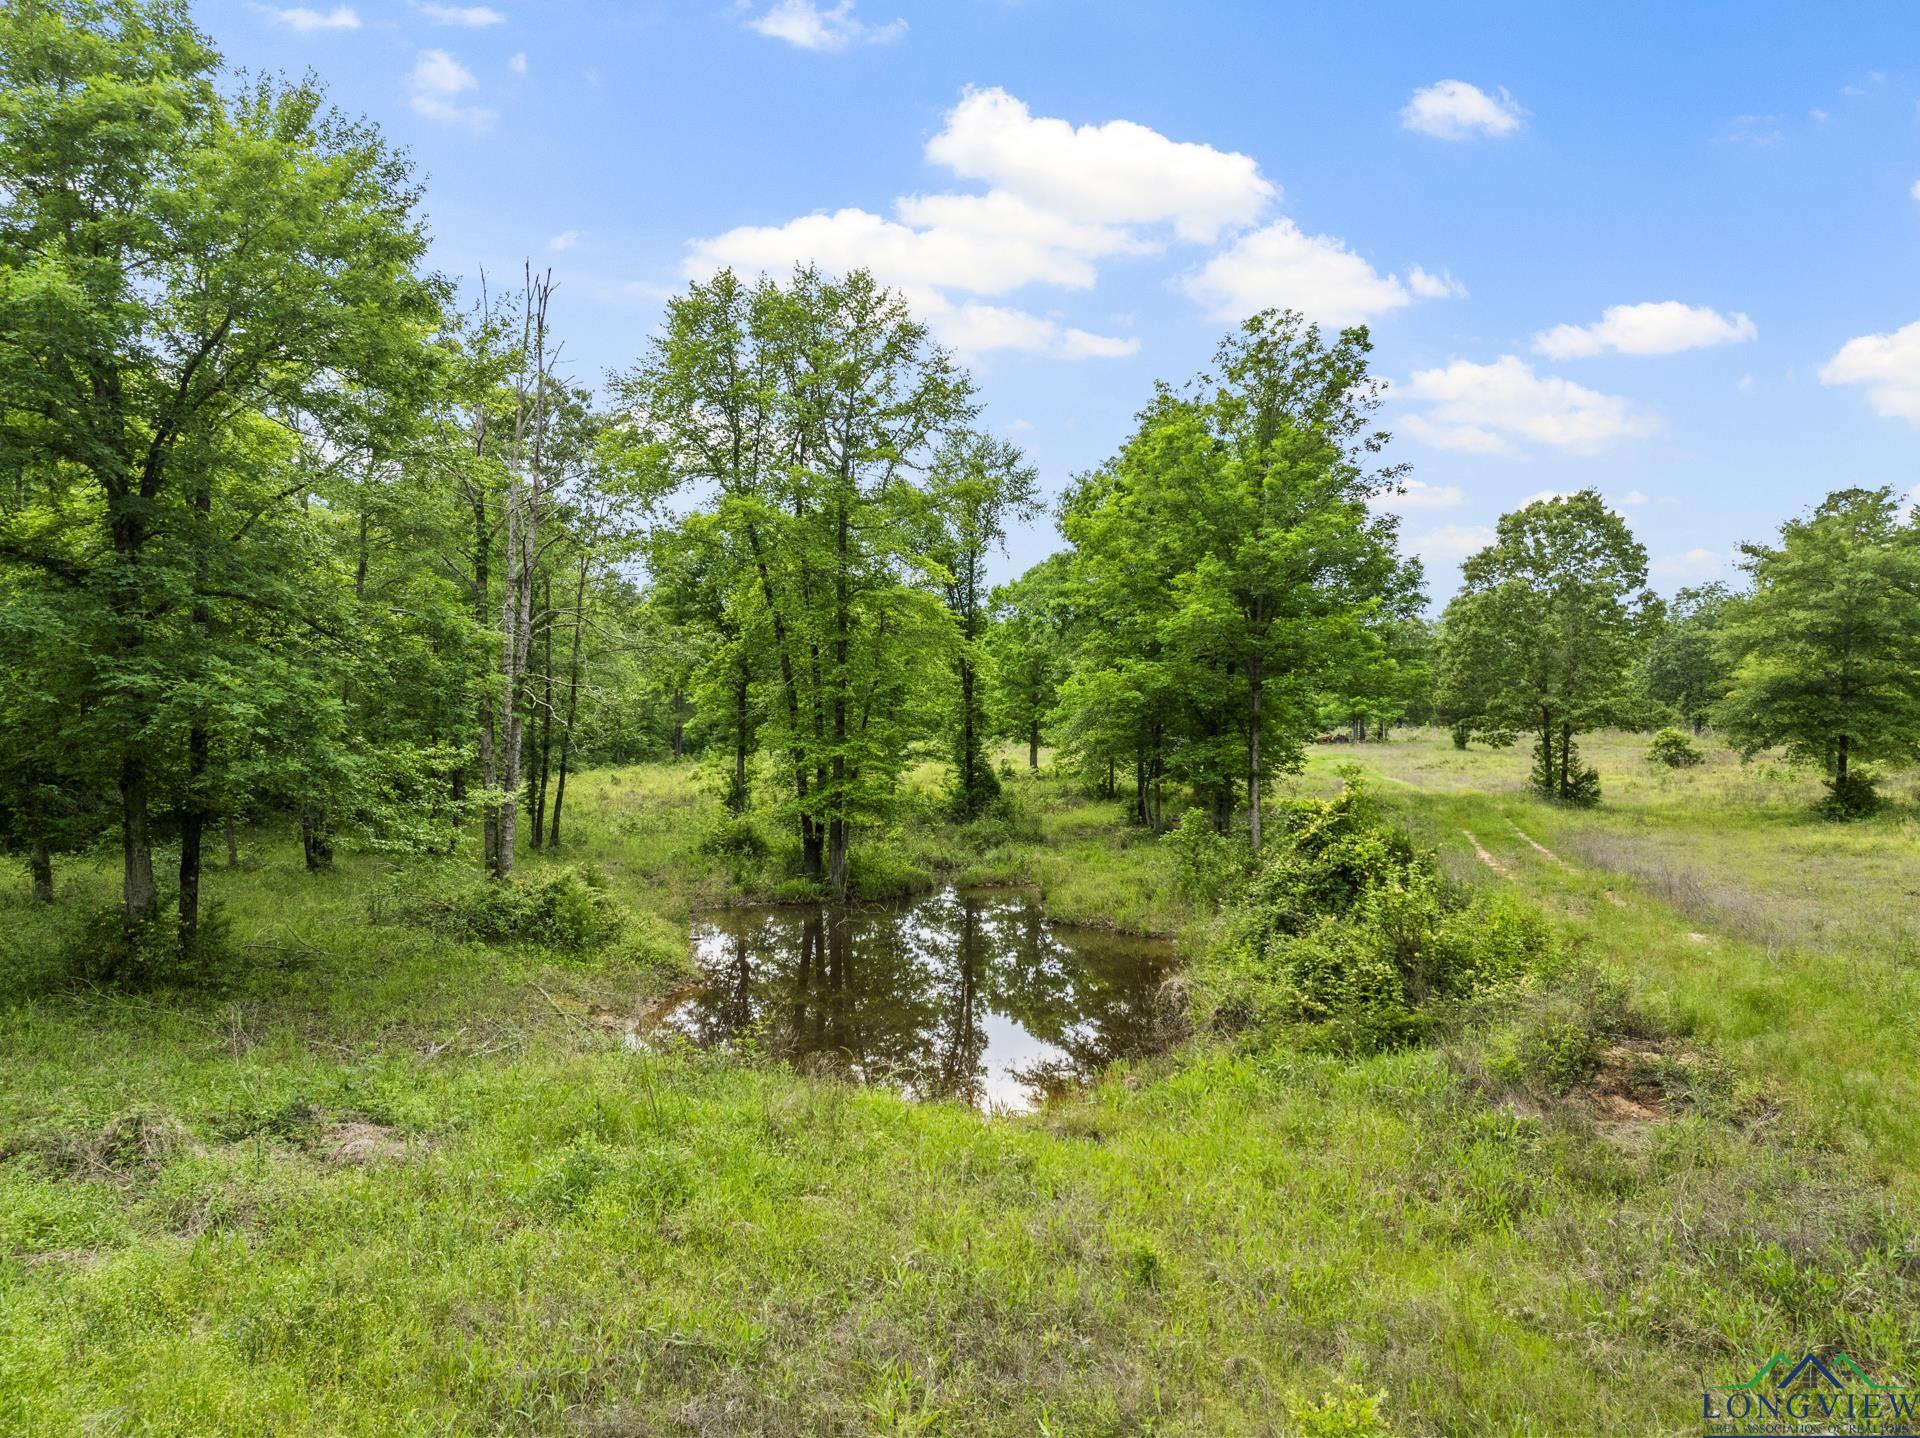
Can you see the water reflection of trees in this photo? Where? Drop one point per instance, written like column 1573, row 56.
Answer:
column 903, row 994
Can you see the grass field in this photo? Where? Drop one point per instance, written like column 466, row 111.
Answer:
column 384, row 1182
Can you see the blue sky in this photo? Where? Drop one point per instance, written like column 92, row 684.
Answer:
column 1666, row 251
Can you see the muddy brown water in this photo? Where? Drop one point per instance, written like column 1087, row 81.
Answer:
column 968, row 995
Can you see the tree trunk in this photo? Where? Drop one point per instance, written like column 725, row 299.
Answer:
column 136, row 843
column 573, row 700
column 233, row 842
column 737, row 791
column 1256, row 683
column 1033, row 745
column 193, row 824
column 42, row 861
column 316, row 839
column 1840, row 761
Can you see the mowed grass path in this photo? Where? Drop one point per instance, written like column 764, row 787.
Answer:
column 1728, row 905
column 390, row 1184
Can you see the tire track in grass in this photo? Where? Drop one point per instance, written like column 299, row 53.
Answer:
column 1486, row 858
column 1539, row 848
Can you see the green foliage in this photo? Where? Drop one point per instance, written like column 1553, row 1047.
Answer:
column 1672, row 749
column 1826, row 648
column 1208, row 866
column 1554, row 1042
column 1348, row 1411
column 148, row 954
column 1687, row 666
column 1348, row 935
column 1853, row 795
column 1541, row 638
column 566, row 909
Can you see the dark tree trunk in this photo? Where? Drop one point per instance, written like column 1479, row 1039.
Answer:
column 42, row 861
column 1033, row 745
column 193, row 825
column 316, row 839
column 136, row 843
column 1256, row 684
column 737, row 797
column 233, row 842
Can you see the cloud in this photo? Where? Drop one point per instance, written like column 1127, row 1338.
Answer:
column 1694, row 564
column 1455, row 110
column 341, row 17
column 517, row 62
column 1450, row 543
column 1914, row 190
column 1633, row 497
column 975, row 329
column 1280, row 264
column 1442, row 286
column 804, row 24
column 472, row 17
column 1888, row 365
column 1759, row 132
column 1657, row 328
column 1418, row 494
column 1487, row 408
column 1114, row 173
column 968, row 257
column 563, row 241
column 437, row 79
column 1744, row 383
column 1819, row 116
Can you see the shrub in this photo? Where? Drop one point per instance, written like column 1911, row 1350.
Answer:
column 1853, row 797
column 106, row 951
column 1462, row 734
column 1208, row 866
column 569, row 909
column 736, row 836
column 1348, row 930
column 1556, row 1042
column 1347, row 1412
column 1673, row 749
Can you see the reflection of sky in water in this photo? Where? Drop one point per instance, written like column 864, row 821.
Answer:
column 973, row 996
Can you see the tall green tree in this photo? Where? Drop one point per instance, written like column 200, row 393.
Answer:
column 1028, row 646
column 1542, row 635
column 1825, row 650
column 176, row 266
column 1686, row 665
column 976, row 486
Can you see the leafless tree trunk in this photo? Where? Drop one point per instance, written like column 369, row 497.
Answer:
column 526, row 480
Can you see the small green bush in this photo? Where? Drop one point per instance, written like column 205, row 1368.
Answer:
column 1208, row 866
column 568, row 909
column 1555, row 1042
column 106, row 951
column 736, row 836
column 1854, row 797
column 1349, row 1411
column 1349, row 931
column 1674, row 750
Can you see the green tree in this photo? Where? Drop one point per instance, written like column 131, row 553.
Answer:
column 1825, row 650
column 1686, row 665
column 977, row 484
column 1542, row 636
column 1027, row 643
column 176, row 268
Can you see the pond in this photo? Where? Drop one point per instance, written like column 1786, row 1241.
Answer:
column 969, row 995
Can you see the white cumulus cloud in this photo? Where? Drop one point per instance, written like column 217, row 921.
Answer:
column 1660, row 327
column 1493, row 408
column 563, row 241
column 803, row 24
column 1450, row 543
column 1415, row 494
column 1455, row 110
column 340, row 17
column 438, row 79
column 1888, row 365
column 472, row 17
column 1113, row 173
column 1280, row 264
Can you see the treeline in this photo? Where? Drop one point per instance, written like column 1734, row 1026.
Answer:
column 283, row 529
column 288, row 529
